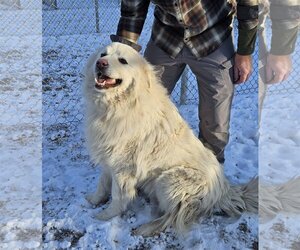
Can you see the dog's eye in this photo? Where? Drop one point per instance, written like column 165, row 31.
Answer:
column 123, row 61
column 103, row 54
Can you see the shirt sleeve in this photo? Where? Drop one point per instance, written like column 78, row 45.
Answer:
column 133, row 16
column 247, row 15
column 285, row 16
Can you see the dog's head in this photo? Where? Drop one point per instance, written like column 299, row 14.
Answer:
column 117, row 69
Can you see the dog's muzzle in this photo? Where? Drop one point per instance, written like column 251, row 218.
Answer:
column 102, row 80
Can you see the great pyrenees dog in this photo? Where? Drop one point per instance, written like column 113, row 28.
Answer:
column 135, row 133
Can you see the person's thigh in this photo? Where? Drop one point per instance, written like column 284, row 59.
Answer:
column 214, row 75
column 171, row 68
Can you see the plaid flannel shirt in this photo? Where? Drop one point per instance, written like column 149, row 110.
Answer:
column 201, row 25
column 285, row 16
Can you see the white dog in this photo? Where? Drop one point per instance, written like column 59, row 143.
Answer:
column 135, row 133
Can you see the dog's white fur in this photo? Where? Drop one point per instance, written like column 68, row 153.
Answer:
column 135, row 133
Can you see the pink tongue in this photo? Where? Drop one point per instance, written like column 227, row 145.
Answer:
column 108, row 81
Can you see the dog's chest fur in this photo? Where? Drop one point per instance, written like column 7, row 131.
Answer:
column 108, row 146
column 129, row 139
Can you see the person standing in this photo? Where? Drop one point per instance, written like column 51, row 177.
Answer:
column 275, row 64
column 197, row 33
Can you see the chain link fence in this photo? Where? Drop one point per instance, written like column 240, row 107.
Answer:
column 42, row 107
column 20, row 124
column 72, row 30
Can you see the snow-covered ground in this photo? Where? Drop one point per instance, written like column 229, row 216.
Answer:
column 45, row 169
column 20, row 143
column 279, row 162
column 68, row 174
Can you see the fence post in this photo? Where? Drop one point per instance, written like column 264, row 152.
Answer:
column 183, row 87
column 97, row 15
column 12, row 3
column 51, row 3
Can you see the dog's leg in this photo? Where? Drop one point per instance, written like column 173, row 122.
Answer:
column 154, row 227
column 101, row 195
column 123, row 191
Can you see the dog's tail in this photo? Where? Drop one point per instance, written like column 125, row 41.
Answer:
column 240, row 198
column 231, row 200
column 275, row 198
column 190, row 197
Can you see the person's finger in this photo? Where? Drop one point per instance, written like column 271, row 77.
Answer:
column 277, row 78
column 243, row 77
column 235, row 74
column 248, row 74
column 269, row 74
column 286, row 76
column 247, row 77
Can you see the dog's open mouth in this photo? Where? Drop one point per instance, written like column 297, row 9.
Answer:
column 105, row 82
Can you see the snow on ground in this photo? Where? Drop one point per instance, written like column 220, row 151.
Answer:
column 68, row 218
column 20, row 143
column 67, row 174
column 279, row 162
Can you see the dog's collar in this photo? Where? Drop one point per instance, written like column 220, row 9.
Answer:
column 115, row 38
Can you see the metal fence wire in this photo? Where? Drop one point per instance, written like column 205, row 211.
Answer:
column 72, row 30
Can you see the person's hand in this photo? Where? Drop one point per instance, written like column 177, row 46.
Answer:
column 242, row 68
column 131, row 43
column 278, row 68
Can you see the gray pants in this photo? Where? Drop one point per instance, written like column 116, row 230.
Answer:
column 214, row 75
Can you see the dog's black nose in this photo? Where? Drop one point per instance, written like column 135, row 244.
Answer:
column 102, row 63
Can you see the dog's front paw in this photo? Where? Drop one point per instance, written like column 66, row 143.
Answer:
column 105, row 215
column 93, row 198
column 144, row 230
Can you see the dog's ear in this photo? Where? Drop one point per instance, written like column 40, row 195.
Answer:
column 154, row 74
column 159, row 70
